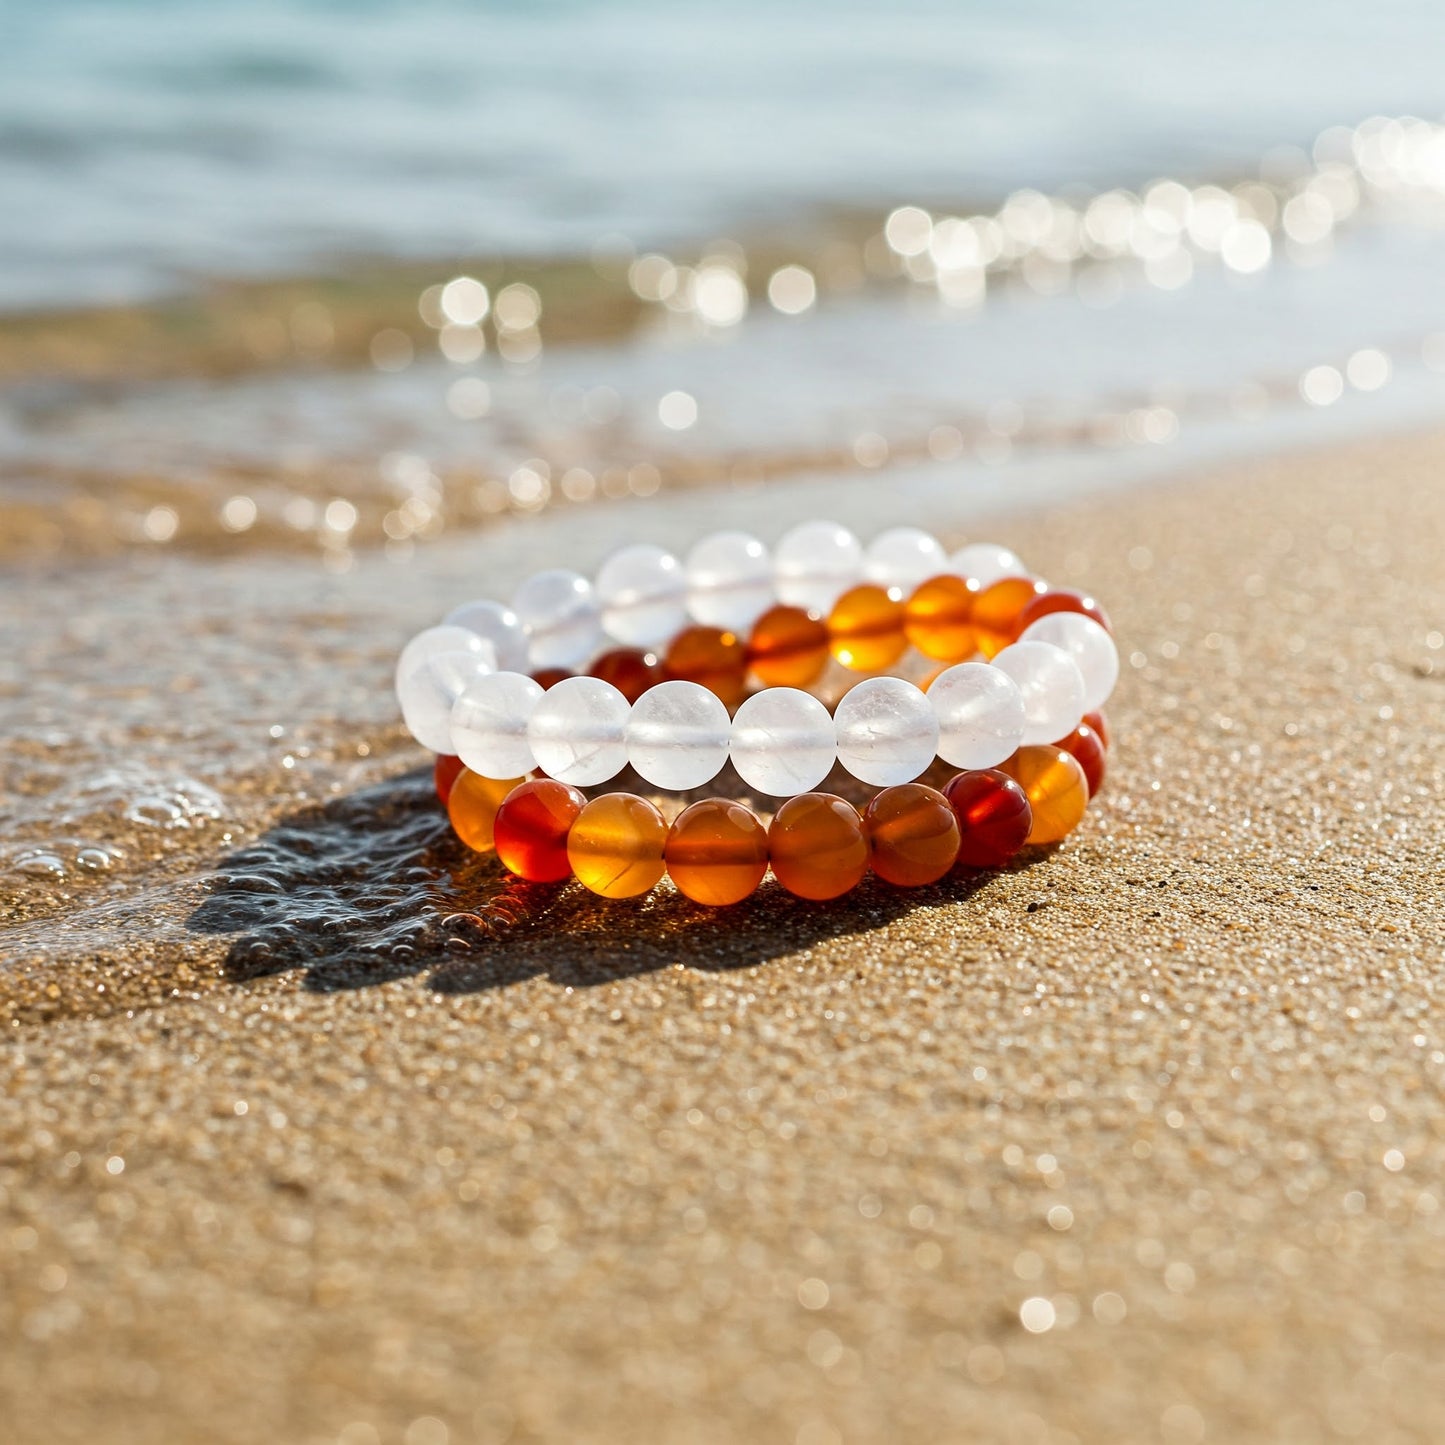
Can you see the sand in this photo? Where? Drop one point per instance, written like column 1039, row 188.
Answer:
column 1140, row 1141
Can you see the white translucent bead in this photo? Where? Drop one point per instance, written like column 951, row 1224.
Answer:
column 560, row 617
column 643, row 593
column 902, row 557
column 815, row 564
column 783, row 741
column 1088, row 644
column 1052, row 686
column 498, row 625
column 432, row 670
column 980, row 713
column 576, row 731
column 677, row 735
column 886, row 730
column 986, row 562
column 729, row 580
column 436, row 640
column 489, row 724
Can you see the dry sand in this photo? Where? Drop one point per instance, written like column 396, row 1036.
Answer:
column 803, row 1174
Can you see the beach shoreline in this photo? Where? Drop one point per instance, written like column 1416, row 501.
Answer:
column 1140, row 1140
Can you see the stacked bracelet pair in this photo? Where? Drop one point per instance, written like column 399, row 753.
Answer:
column 1023, row 726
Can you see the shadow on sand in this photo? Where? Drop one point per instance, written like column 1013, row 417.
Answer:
column 374, row 886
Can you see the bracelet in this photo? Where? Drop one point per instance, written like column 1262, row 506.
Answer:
column 677, row 734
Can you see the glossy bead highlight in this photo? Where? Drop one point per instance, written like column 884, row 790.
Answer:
column 993, row 815
column 472, row 807
column 616, row 845
column 817, row 846
column 716, row 852
column 531, row 827
column 1086, row 745
column 710, row 657
column 1057, row 790
column 865, row 629
column 913, row 835
column 788, row 647
column 938, row 618
column 996, row 612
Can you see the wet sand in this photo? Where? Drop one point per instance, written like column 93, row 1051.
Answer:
column 1171, row 1096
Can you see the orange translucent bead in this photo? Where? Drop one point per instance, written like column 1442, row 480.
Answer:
column 788, row 647
column 709, row 656
column 1062, row 599
column 1057, row 790
column 531, row 827
column 446, row 771
column 472, row 806
column 865, row 629
column 912, row 835
column 616, row 845
column 993, row 817
column 996, row 611
column 629, row 670
column 1100, row 725
column 938, row 618
column 1088, row 747
column 817, row 846
column 716, row 852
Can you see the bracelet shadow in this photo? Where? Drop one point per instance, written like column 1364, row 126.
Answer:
column 374, row 887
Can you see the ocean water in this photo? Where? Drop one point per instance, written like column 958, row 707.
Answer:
column 146, row 145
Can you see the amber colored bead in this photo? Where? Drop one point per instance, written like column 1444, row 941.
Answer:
column 788, row 647
column 865, row 629
column 629, row 670
column 546, row 677
column 1058, row 791
column 993, row 815
column 716, row 852
column 709, row 656
column 616, row 843
column 446, row 771
column 938, row 618
column 1100, row 725
column 472, row 806
column 913, row 835
column 817, row 846
column 996, row 611
column 531, row 829
column 1086, row 745
column 1062, row 599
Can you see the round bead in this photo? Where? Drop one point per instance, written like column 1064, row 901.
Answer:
column 531, row 827
column 489, row 724
column 472, row 807
column 980, row 713
column 432, row 642
column 1100, row 725
column 817, row 846
column 816, row 562
column 716, row 852
column 1063, row 599
column 993, row 815
column 560, row 617
column 782, row 741
column 1088, row 644
column 887, row 731
column 495, row 624
column 912, row 835
column 576, row 731
column 996, row 612
column 1086, row 745
column 986, row 562
column 937, row 618
column 445, row 771
column 710, row 657
column 729, row 580
column 865, row 629
column 788, row 647
column 1052, row 687
column 1057, row 790
column 429, row 689
column 616, row 845
column 642, row 593
column 677, row 735
column 902, row 557
column 630, row 670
